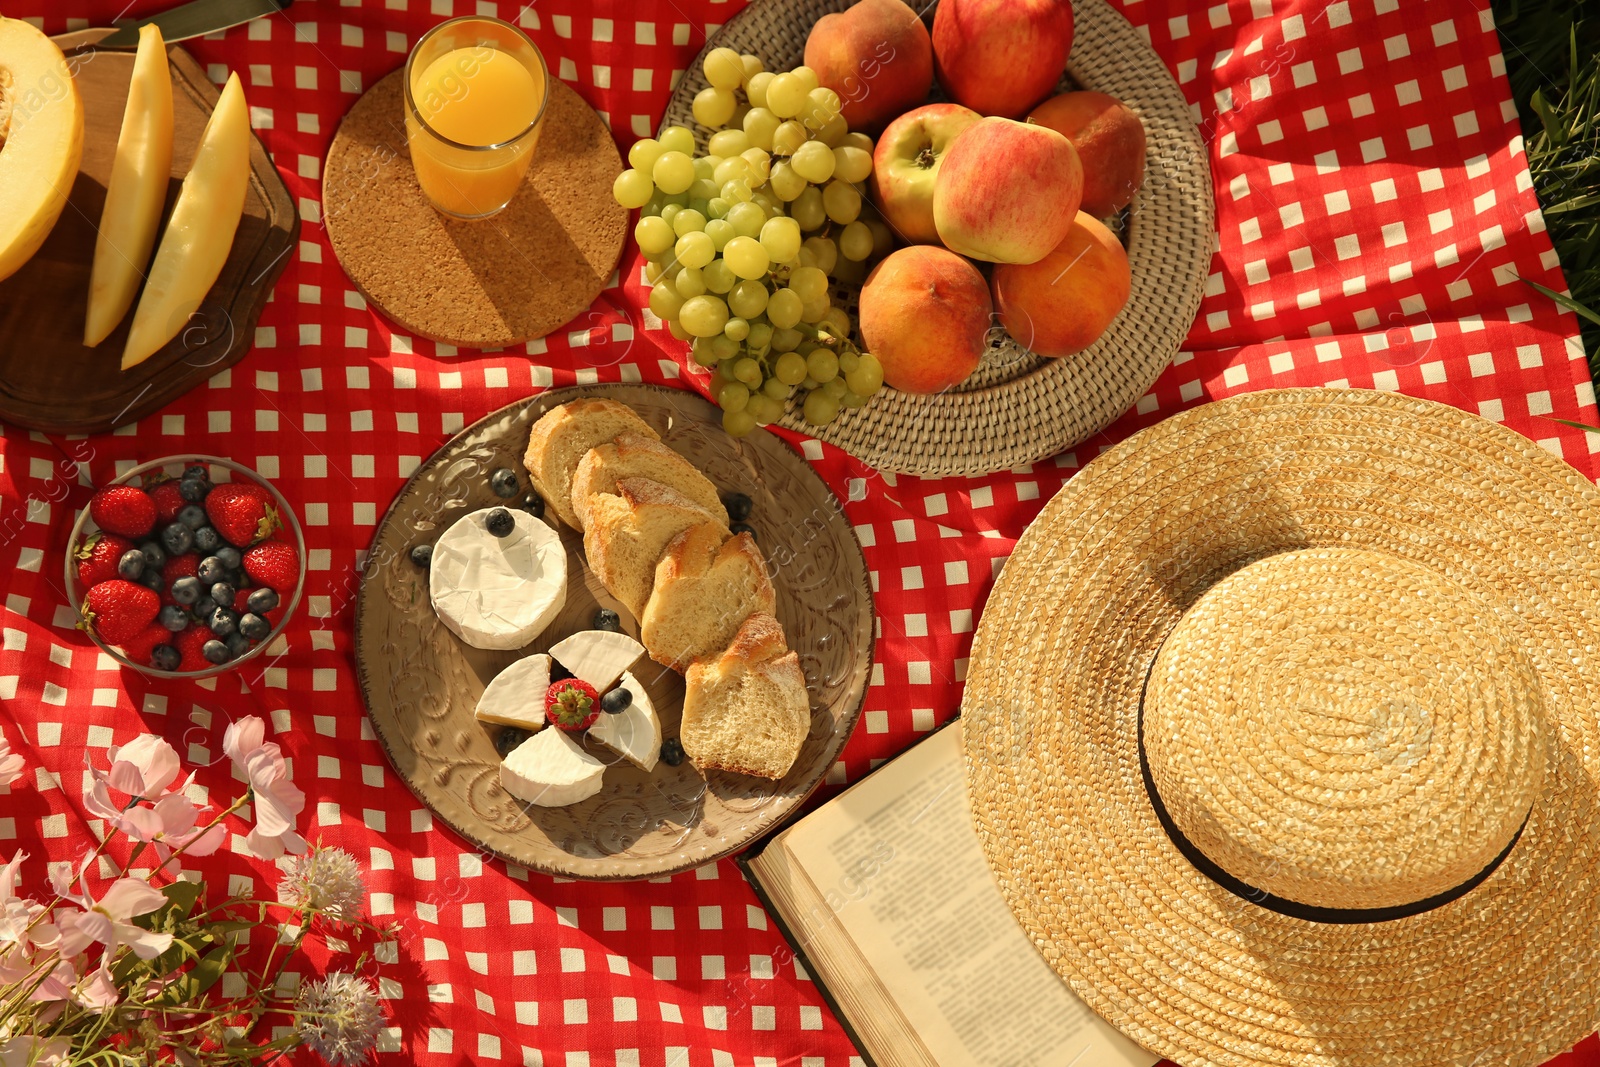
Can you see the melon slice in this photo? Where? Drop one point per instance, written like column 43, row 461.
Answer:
column 41, row 140
column 137, row 191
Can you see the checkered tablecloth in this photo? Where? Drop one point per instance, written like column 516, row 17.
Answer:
column 1374, row 215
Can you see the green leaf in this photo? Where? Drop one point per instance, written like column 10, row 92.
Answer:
column 1575, row 425
column 1566, row 302
column 210, row 969
column 1547, row 118
column 182, row 896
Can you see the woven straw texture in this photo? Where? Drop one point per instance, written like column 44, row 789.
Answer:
column 1509, row 973
column 1019, row 407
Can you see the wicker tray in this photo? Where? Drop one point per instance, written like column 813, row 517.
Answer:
column 1018, row 407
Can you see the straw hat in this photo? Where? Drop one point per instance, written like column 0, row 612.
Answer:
column 1283, row 737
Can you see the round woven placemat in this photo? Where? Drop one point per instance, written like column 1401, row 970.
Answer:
column 488, row 283
column 1019, row 407
column 1508, row 973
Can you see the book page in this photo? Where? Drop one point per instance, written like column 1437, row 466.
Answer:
column 899, row 865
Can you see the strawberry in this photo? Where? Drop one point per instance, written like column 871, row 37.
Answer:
column 124, row 509
column 571, row 704
column 184, row 566
column 119, row 609
column 243, row 513
column 274, row 564
column 140, row 645
column 97, row 557
column 189, row 644
column 241, row 598
column 168, row 501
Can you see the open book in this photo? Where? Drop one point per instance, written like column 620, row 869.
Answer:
column 886, row 894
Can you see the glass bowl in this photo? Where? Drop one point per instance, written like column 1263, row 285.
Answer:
column 222, row 471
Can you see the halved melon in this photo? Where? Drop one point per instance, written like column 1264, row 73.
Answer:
column 41, row 140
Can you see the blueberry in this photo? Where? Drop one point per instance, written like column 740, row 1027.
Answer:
column 165, row 658
column 187, row 590
column 201, row 609
column 192, row 516
column 422, row 555
column 174, row 618
column 672, row 752
column 151, row 580
column 606, row 619
column 216, row 651
column 177, row 539
column 237, row 644
column 155, row 557
column 533, row 504
column 262, row 600
column 744, row 527
column 504, row 483
column 131, row 565
column 500, row 523
column 207, row 539
column 558, row 672
column 738, row 506
column 508, row 740
column 211, row 570
column 254, row 627
column 196, row 471
column 616, row 702
column 222, row 621
column 223, row 593
column 230, row 557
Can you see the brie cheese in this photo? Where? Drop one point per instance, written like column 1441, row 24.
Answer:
column 635, row 733
column 551, row 770
column 498, row 592
column 597, row 656
column 515, row 697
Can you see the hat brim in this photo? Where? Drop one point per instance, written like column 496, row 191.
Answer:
column 1508, row 973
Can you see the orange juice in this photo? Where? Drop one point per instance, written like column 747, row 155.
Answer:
column 479, row 104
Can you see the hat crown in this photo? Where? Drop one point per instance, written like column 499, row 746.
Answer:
column 1344, row 728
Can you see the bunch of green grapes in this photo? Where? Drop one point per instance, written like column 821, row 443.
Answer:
column 742, row 241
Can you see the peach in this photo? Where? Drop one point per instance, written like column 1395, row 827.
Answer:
column 1000, row 57
column 1110, row 141
column 1064, row 302
column 905, row 166
column 877, row 56
column 924, row 313
column 1007, row 191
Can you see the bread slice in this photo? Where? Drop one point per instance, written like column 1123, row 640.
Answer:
column 561, row 438
column 707, row 584
column 628, row 532
column 747, row 711
column 633, row 455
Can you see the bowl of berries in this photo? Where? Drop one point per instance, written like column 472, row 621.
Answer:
column 186, row 567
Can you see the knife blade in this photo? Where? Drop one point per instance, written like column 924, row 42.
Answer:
column 194, row 19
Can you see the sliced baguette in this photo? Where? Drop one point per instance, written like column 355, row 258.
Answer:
column 628, row 532
column 747, row 711
column 706, row 585
column 635, row 455
column 561, row 438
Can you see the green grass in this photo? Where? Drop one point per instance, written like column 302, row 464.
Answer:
column 1552, row 50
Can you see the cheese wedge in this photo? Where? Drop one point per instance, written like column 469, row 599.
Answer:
column 597, row 656
column 551, row 770
column 634, row 734
column 515, row 697
column 498, row 592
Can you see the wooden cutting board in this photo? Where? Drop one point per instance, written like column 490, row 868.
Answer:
column 48, row 380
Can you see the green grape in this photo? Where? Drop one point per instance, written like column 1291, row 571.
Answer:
column 842, row 201
column 670, row 212
column 785, row 182
column 788, row 138
column 714, row 386
column 790, row 368
column 756, row 88
column 689, row 283
column 731, row 168
column 688, row 221
column 724, row 347
column 747, row 219
column 760, row 334
column 705, row 166
column 776, row 389
column 824, row 253
column 747, row 371
column 723, row 68
column 704, row 316
column 837, row 322
column 654, row 205
column 747, row 258
column 813, row 310
column 675, row 328
column 752, row 66
column 882, row 237
column 759, row 125
column 760, row 162
column 781, row 238
column 784, row 308
column 848, row 362
column 633, row 188
column 786, row 95
column 738, row 423
column 673, row 172
column 810, row 283
column 653, row 271
column 867, row 378
column 721, row 232
column 851, row 164
column 820, row 408
column 718, row 278
column 677, row 139
column 702, row 206
column 770, row 204
column 717, row 208
column 700, row 352
column 835, row 388
column 855, row 241
column 821, row 364
column 734, row 396
column 853, row 400
column 850, row 271
column 695, row 250
column 764, row 408
column 858, row 140
column 737, row 192
column 665, row 301
column 813, row 161
column 644, row 153
column 702, row 191
column 737, row 329
column 821, row 105
column 728, row 143
column 807, row 77
column 725, row 368
column 680, row 199
column 807, row 209
column 810, row 383
column 654, row 235
column 834, row 132
column 786, row 340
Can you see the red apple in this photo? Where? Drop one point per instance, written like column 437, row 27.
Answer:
column 1110, row 141
column 1007, row 192
column 1000, row 57
column 877, row 56
column 1063, row 303
column 906, row 164
column 925, row 314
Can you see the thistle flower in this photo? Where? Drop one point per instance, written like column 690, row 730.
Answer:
column 326, row 880
column 338, row 1018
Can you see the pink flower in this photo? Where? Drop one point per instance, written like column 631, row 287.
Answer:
column 277, row 799
column 99, row 993
column 144, row 767
column 10, row 763
column 21, row 932
column 28, row 1051
column 106, row 920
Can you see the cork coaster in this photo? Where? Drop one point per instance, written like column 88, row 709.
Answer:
column 489, row 283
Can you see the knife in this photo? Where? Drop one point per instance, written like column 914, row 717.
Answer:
column 194, row 19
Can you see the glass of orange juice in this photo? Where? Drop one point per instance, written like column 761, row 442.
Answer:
column 475, row 90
